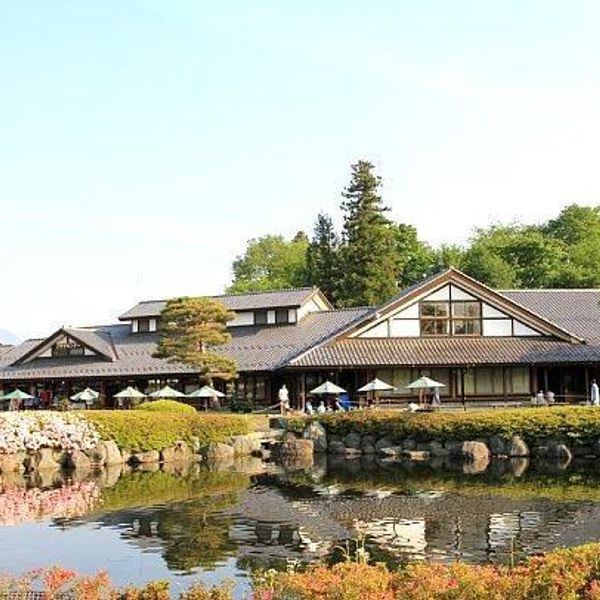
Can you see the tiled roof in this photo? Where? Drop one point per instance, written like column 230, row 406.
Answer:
column 445, row 351
column 253, row 300
column 255, row 349
column 577, row 311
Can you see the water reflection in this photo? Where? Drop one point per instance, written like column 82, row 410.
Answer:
column 192, row 520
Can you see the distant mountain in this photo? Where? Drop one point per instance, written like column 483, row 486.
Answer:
column 6, row 337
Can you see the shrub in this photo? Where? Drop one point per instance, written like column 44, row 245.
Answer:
column 141, row 430
column 576, row 425
column 171, row 406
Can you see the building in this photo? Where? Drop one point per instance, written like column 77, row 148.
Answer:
column 482, row 343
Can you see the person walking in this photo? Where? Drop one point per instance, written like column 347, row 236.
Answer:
column 284, row 399
column 595, row 394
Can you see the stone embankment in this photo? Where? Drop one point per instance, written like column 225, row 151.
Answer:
column 107, row 454
column 477, row 453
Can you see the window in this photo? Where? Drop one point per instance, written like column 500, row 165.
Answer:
column 260, row 317
column 281, row 315
column 143, row 325
column 67, row 347
column 437, row 319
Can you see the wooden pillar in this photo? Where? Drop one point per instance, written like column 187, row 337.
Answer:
column 534, row 381
column 545, row 379
column 462, row 388
column 587, row 384
column 505, row 376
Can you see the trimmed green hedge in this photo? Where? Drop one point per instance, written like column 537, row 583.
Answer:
column 576, row 425
column 170, row 406
column 139, row 430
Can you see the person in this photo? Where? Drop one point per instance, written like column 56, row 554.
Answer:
column 284, row 399
column 540, row 399
column 321, row 408
column 436, row 402
column 550, row 397
column 338, row 406
column 309, row 407
column 595, row 394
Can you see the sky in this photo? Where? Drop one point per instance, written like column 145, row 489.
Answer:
column 143, row 142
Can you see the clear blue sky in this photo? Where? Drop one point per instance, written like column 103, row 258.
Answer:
column 142, row 142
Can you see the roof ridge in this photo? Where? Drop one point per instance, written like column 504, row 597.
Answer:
column 549, row 290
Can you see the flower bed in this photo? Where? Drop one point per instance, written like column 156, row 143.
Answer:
column 576, row 425
column 560, row 575
column 30, row 431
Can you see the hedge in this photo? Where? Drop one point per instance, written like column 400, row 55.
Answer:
column 138, row 431
column 575, row 425
column 170, row 406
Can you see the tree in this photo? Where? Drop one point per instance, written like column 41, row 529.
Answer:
column 448, row 255
column 414, row 259
column 322, row 256
column 191, row 328
column 368, row 264
column 271, row 263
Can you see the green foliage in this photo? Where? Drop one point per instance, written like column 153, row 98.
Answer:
column 191, row 328
column 368, row 262
column 322, row 257
column 139, row 430
column 270, row 263
column 170, row 406
column 577, row 425
column 414, row 259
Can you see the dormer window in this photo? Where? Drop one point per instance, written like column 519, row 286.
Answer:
column 143, row 325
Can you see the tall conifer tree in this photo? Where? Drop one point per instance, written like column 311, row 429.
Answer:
column 322, row 256
column 368, row 264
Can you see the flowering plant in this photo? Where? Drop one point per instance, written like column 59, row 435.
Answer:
column 26, row 431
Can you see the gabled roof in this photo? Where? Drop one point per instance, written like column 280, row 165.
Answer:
column 292, row 298
column 492, row 297
column 96, row 341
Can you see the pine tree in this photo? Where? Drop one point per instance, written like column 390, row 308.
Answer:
column 368, row 261
column 191, row 329
column 322, row 256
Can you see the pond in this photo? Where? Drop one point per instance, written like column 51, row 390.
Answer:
column 195, row 522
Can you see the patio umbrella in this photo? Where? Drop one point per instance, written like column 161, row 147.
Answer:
column 375, row 386
column 166, row 392
column 17, row 395
column 206, row 392
column 424, row 383
column 88, row 395
column 328, row 388
column 130, row 393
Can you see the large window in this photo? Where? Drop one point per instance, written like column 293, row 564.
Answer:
column 460, row 318
column 261, row 317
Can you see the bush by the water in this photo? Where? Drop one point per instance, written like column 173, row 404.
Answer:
column 568, row 574
column 141, row 430
column 171, row 406
column 576, row 425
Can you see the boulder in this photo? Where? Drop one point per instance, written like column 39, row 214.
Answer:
column 336, row 447
column 113, row 454
column 383, row 443
column 296, row 448
column 45, row 459
column 390, row 451
column 416, row 455
column 367, row 444
column 278, row 423
column 434, row 448
column 148, row 457
column 498, row 446
column 560, row 451
column 409, row 444
column 12, row 463
column 79, row 461
column 97, row 455
column 352, row 440
column 316, row 432
column 353, row 452
column 517, row 447
column 178, row 452
column 245, row 445
column 471, row 451
column 518, row 466
column 219, row 452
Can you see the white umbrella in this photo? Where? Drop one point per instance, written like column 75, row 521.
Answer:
column 17, row 395
column 375, row 386
column 424, row 383
column 166, row 392
column 130, row 393
column 206, row 392
column 88, row 395
column 328, row 388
